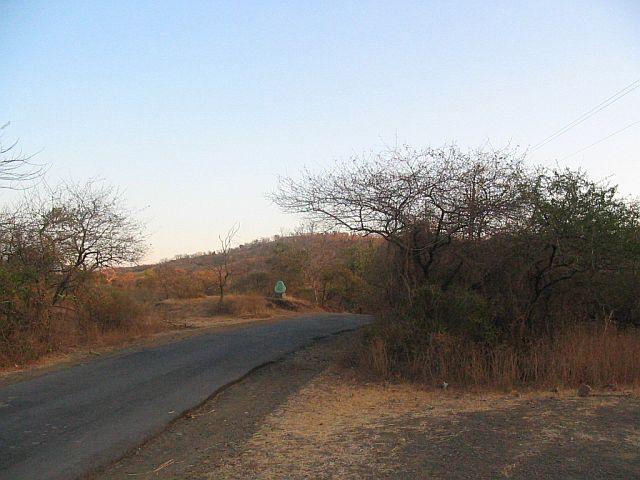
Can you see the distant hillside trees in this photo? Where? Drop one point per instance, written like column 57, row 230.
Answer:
column 328, row 269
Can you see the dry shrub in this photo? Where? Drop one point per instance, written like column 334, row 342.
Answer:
column 109, row 316
column 590, row 353
column 109, row 308
column 100, row 316
column 25, row 343
column 94, row 335
column 243, row 306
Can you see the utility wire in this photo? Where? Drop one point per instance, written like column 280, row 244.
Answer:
column 601, row 106
column 601, row 140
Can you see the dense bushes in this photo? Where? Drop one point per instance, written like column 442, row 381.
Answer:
column 99, row 313
column 108, row 308
column 54, row 248
column 491, row 265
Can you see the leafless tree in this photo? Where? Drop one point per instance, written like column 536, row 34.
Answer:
column 15, row 168
column 418, row 200
column 223, row 258
column 69, row 232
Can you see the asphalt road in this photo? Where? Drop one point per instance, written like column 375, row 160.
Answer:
column 66, row 423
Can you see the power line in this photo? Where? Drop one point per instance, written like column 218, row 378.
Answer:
column 601, row 106
column 601, row 140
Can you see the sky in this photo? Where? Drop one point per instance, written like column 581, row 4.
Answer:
column 194, row 108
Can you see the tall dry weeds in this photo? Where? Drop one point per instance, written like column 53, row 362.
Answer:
column 594, row 354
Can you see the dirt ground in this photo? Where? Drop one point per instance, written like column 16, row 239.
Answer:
column 304, row 417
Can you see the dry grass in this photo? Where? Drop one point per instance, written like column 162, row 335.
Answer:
column 207, row 311
column 68, row 334
column 335, row 428
column 209, row 307
column 598, row 355
column 246, row 306
column 320, row 433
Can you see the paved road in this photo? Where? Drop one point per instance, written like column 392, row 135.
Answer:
column 66, row 423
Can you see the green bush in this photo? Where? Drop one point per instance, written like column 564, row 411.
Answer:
column 455, row 310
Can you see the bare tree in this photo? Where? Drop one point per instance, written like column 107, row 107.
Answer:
column 223, row 259
column 15, row 168
column 418, row 200
column 72, row 231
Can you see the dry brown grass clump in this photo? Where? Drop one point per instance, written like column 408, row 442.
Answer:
column 248, row 306
column 595, row 354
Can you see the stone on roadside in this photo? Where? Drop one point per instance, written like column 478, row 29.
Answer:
column 584, row 390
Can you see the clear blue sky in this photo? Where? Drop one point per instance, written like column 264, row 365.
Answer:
column 193, row 108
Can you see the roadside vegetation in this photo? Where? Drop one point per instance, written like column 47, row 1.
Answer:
column 493, row 272
column 482, row 270
column 327, row 269
column 69, row 280
column 103, row 304
column 55, row 245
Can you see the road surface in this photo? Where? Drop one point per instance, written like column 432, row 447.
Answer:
column 66, row 423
